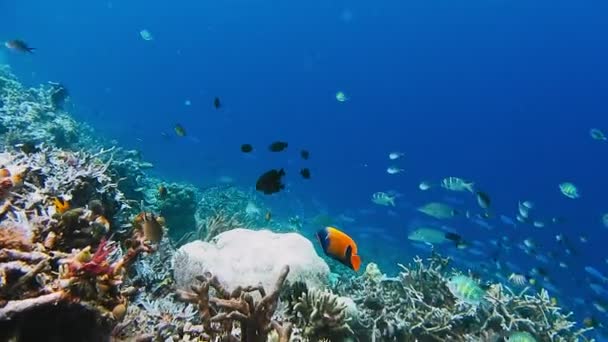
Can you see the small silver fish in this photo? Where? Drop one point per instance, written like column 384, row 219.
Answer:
column 569, row 190
column 393, row 170
column 395, row 155
column 457, row 184
column 424, row 186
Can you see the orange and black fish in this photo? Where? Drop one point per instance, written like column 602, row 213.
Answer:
column 277, row 146
column 305, row 172
column 339, row 246
column 270, row 182
column 180, row 130
column 216, row 103
column 19, row 46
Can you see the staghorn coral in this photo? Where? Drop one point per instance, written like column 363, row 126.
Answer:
column 220, row 313
column 321, row 314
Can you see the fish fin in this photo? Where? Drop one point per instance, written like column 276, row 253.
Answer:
column 30, row 49
column 354, row 261
column 281, row 172
column 322, row 236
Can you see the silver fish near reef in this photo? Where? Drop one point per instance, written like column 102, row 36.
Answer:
column 382, row 198
column 466, row 289
column 433, row 236
column 595, row 273
column 457, row 184
column 438, row 210
column 569, row 190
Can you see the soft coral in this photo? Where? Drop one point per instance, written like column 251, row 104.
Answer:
column 98, row 265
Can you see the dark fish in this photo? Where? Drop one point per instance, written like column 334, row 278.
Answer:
column 305, row 154
column 162, row 192
column 246, row 148
column 59, row 94
column 483, row 199
column 216, row 103
column 180, row 130
column 339, row 246
column 19, row 45
column 305, row 173
column 29, row 147
column 270, row 182
column 277, row 146
column 453, row 236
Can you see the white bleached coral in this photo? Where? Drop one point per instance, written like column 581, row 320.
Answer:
column 242, row 257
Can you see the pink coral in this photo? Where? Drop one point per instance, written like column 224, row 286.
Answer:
column 98, row 264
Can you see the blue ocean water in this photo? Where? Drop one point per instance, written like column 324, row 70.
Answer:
column 499, row 92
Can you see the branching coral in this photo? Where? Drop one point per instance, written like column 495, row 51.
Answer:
column 419, row 305
column 219, row 313
column 321, row 314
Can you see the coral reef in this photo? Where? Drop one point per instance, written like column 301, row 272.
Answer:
column 175, row 202
column 240, row 256
column 23, row 107
column 423, row 304
column 178, row 206
column 222, row 208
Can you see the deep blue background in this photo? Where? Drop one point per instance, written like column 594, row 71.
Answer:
column 500, row 92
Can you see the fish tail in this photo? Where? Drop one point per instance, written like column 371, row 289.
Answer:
column 355, row 261
column 470, row 186
column 30, row 49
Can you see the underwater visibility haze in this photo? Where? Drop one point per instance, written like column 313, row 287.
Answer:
column 397, row 170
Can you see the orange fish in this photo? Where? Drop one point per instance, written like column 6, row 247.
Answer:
column 61, row 205
column 339, row 246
